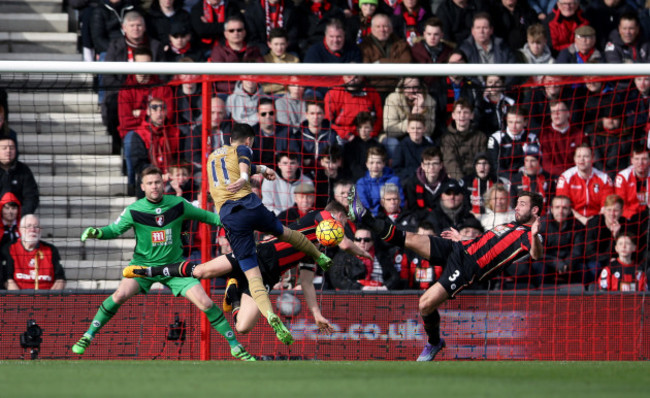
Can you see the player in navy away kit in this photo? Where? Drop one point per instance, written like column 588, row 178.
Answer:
column 275, row 257
column 465, row 262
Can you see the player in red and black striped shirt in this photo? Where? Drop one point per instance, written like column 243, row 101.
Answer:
column 274, row 258
column 465, row 262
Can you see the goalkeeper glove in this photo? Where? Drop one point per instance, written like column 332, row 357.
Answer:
column 90, row 232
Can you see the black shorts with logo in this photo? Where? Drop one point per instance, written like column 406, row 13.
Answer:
column 458, row 268
column 268, row 264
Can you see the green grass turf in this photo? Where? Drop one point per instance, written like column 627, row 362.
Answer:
column 143, row 379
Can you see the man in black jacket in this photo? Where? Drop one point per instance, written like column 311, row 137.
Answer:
column 564, row 238
column 16, row 177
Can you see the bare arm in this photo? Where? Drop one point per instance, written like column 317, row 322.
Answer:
column 352, row 248
column 536, row 248
column 307, row 284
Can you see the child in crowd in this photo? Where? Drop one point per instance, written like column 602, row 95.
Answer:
column 181, row 182
column 369, row 186
column 536, row 50
column 623, row 273
column 278, row 42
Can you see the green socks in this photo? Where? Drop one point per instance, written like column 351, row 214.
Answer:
column 221, row 325
column 104, row 314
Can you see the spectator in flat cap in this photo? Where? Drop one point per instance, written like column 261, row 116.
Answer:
column 304, row 197
column 583, row 50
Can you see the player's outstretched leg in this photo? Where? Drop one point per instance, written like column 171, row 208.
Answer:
column 80, row 346
column 300, row 242
column 281, row 332
column 134, row 271
column 183, row 269
column 384, row 229
column 356, row 211
column 104, row 314
column 231, row 298
column 430, row 351
column 240, row 352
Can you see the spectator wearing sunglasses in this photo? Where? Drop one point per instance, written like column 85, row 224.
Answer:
column 154, row 143
column 180, row 44
column 351, row 272
column 234, row 48
column 268, row 133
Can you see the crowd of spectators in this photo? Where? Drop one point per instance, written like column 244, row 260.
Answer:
column 431, row 153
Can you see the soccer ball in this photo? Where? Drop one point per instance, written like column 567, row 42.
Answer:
column 329, row 232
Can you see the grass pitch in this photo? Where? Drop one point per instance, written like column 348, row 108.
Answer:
column 179, row 379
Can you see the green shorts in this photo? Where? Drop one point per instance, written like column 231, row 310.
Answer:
column 178, row 286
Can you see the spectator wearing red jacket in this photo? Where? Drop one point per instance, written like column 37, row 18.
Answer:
column 586, row 186
column 9, row 227
column 154, row 143
column 342, row 104
column 137, row 89
column 559, row 139
column 633, row 183
column 563, row 22
column 31, row 263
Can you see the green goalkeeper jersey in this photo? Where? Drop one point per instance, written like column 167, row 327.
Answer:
column 158, row 228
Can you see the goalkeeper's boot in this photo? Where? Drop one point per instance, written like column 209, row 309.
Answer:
column 80, row 346
column 134, row 271
column 231, row 296
column 355, row 208
column 281, row 332
column 324, row 262
column 240, row 352
column 430, row 351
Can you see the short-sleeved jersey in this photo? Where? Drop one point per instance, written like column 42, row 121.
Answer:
column 223, row 169
column 499, row 247
column 35, row 269
column 157, row 228
column 618, row 276
column 635, row 191
column 587, row 196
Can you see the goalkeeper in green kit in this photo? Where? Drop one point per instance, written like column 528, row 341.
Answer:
column 157, row 220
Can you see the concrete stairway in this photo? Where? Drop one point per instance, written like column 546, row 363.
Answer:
column 36, row 30
column 62, row 139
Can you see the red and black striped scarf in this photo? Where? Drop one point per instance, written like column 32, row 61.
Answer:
column 209, row 11
column 274, row 15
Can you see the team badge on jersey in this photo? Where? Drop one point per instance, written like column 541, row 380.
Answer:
column 160, row 220
column 500, row 230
